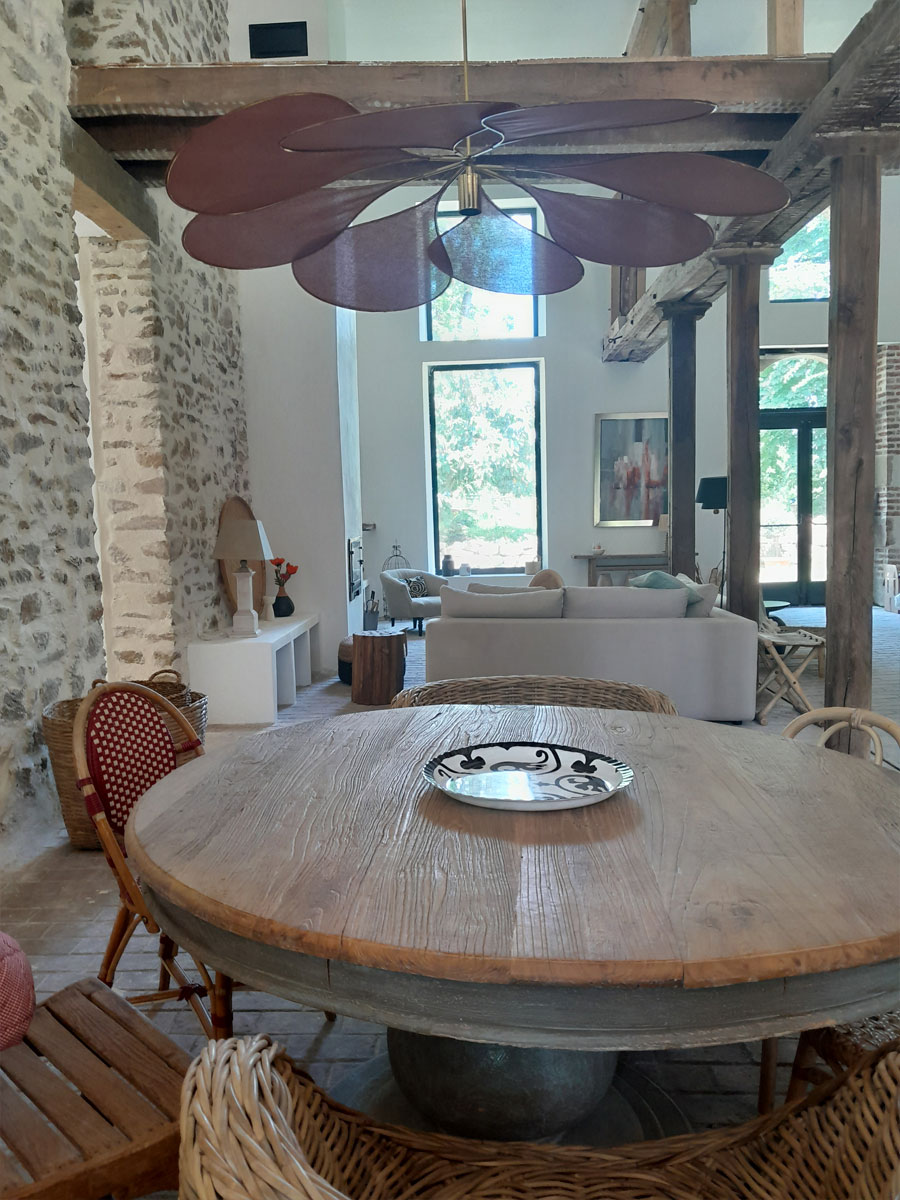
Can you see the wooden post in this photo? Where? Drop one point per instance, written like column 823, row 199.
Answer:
column 785, row 28
column 682, row 316
column 379, row 664
column 852, row 324
column 742, row 584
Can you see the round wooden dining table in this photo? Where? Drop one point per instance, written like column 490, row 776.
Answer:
column 742, row 886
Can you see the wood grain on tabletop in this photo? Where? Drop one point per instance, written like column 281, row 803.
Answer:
column 731, row 857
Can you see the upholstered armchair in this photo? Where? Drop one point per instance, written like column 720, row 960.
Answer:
column 404, row 607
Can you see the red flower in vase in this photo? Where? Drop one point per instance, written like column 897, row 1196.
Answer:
column 281, row 577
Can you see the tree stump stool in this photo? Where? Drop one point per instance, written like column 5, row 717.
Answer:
column 379, row 665
column 345, row 660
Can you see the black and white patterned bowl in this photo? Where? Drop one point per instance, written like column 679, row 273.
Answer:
column 529, row 776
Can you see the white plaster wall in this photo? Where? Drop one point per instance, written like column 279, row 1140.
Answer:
column 243, row 13
column 293, row 429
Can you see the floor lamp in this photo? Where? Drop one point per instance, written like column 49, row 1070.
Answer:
column 712, row 493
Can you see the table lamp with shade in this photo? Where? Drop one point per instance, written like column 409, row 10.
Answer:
column 712, row 493
column 243, row 539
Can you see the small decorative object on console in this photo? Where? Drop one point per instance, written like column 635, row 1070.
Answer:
column 283, row 605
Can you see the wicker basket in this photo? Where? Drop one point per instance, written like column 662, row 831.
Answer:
column 175, row 690
column 58, row 722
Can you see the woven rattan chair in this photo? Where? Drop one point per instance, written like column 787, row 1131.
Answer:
column 121, row 748
column 536, row 689
column 253, row 1125
column 843, row 1045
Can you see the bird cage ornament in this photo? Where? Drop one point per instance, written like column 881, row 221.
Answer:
column 394, row 561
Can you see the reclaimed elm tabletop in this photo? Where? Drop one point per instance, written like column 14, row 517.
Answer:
column 742, row 886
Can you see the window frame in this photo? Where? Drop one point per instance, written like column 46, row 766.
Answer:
column 484, row 365
column 509, row 210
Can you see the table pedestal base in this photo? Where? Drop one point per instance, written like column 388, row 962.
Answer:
column 629, row 1108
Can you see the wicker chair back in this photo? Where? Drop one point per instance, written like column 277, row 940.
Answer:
column 537, row 689
column 128, row 749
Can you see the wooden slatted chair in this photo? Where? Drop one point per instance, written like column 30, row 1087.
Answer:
column 536, row 689
column 90, row 1101
column 121, row 748
column 253, row 1125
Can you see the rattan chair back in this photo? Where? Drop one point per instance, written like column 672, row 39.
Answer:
column 254, row 1125
column 537, row 689
column 836, row 719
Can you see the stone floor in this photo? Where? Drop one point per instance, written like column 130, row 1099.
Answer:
column 59, row 904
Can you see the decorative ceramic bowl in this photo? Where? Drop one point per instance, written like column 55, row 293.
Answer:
column 528, row 776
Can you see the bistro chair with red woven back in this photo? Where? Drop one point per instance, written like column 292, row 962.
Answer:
column 122, row 747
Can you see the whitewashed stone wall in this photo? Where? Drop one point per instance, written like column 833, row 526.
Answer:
column 50, row 631
column 170, row 439
column 114, row 31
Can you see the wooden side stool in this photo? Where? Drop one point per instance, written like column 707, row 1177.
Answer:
column 379, row 665
column 90, row 1101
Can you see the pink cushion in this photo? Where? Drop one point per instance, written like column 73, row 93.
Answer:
column 16, row 992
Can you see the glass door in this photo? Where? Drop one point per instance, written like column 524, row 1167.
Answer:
column 793, row 525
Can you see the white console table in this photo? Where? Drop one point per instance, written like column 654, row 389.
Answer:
column 247, row 678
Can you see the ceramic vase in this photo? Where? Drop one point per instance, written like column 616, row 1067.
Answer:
column 284, row 605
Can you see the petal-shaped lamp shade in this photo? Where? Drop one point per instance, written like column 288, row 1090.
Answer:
column 380, row 266
column 431, row 126
column 280, row 232
column 236, row 162
column 496, row 253
column 693, row 182
column 626, row 233
column 592, row 114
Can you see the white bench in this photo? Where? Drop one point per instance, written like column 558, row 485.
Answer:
column 246, row 679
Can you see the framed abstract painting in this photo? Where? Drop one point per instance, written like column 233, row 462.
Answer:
column 631, row 468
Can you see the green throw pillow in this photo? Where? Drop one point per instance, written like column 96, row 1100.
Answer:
column 655, row 579
column 662, row 580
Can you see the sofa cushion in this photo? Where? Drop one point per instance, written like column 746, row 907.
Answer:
column 701, row 596
column 525, row 602
column 417, row 586
column 617, row 602
column 657, row 580
column 493, row 589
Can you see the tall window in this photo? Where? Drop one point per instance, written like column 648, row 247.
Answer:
column 486, row 463
column 463, row 313
column 803, row 270
column 793, row 394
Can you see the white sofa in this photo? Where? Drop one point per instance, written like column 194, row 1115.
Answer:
column 705, row 665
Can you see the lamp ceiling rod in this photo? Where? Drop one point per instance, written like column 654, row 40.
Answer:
column 465, row 50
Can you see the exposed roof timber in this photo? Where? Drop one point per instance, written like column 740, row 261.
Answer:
column 660, row 27
column 735, row 83
column 105, row 192
column 784, row 27
column 155, row 139
column 861, row 93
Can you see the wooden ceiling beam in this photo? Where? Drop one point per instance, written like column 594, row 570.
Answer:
column 784, row 27
column 861, row 94
column 155, row 139
column 734, row 83
column 104, row 191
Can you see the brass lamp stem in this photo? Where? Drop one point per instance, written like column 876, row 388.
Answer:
column 469, row 189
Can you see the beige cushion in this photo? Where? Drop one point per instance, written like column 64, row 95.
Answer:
column 493, row 589
column 525, row 602
column 618, row 602
column 547, row 578
column 701, row 596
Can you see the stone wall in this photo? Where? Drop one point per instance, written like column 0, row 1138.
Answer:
column 158, row 31
column 50, row 632
column 887, row 460
column 170, row 439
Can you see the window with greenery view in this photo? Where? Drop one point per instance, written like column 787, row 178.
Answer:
column 802, row 271
column 467, row 314
column 793, row 390
column 486, row 464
